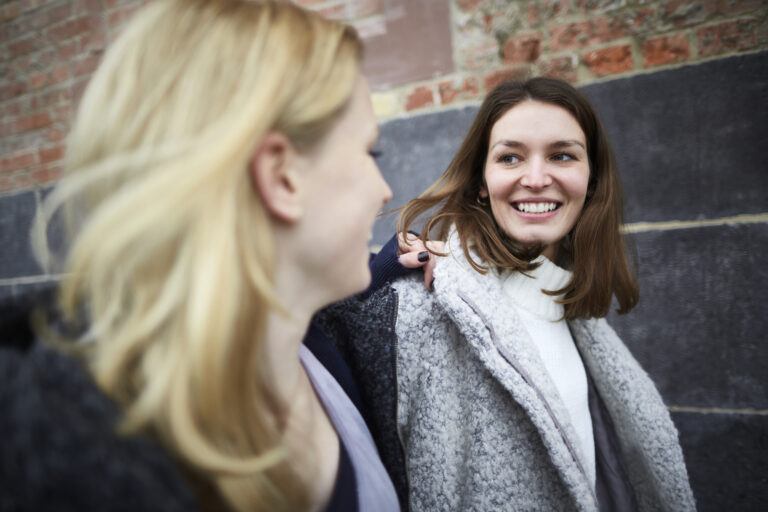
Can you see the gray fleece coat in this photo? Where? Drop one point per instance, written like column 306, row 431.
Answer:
column 466, row 416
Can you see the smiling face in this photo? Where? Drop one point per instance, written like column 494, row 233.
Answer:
column 536, row 174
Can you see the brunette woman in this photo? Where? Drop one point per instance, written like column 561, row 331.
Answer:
column 505, row 388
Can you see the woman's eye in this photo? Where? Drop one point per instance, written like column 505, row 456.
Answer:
column 375, row 153
column 508, row 159
column 563, row 157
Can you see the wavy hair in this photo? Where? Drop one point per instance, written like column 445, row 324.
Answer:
column 594, row 249
column 170, row 251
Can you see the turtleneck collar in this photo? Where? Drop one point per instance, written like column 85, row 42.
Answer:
column 526, row 290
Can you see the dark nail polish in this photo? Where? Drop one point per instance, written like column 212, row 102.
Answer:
column 423, row 256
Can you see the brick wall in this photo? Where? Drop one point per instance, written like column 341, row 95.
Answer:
column 49, row 48
column 582, row 41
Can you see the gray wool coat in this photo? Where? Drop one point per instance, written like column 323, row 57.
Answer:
column 465, row 415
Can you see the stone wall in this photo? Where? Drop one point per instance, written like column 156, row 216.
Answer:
column 681, row 86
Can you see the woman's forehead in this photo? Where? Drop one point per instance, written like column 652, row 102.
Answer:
column 536, row 121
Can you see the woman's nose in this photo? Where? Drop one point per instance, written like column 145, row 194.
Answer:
column 536, row 174
column 387, row 190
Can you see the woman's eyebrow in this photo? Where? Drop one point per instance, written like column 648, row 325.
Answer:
column 567, row 143
column 509, row 143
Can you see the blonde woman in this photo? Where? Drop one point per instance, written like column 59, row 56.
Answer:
column 221, row 189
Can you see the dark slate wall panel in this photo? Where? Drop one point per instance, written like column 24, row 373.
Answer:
column 690, row 142
column 700, row 327
column 21, row 289
column 16, row 214
column 727, row 459
column 415, row 152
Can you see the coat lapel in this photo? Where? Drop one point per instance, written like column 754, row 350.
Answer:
column 648, row 438
column 477, row 306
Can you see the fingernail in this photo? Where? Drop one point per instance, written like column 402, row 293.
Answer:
column 423, row 256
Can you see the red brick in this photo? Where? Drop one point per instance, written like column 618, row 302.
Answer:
column 18, row 161
column 665, row 50
column 609, row 61
column 78, row 88
column 37, row 80
column 451, row 91
column 496, row 77
column 55, row 134
column 46, row 174
column 11, row 90
column 86, row 65
column 119, row 16
column 61, row 113
column 22, row 47
column 94, row 41
column 51, row 14
column 52, row 154
column 46, row 99
column 9, row 11
column 6, row 129
column 57, row 96
column 479, row 55
column 739, row 7
column 586, row 33
column 420, row 97
column 72, row 28
column 59, row 74
column 67, row 50
column 564, row 68
column 10, row 108
column 33, row 122
column 727, row 37
column 534, row 14
column 521, row 49
column 468, row 5
column 86, row 6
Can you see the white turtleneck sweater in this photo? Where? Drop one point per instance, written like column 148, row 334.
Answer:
column 543, row 319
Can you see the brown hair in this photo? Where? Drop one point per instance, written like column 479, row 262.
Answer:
column 594, row 249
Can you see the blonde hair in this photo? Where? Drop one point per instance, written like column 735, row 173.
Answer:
column 171, row 254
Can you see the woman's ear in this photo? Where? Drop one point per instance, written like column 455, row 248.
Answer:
column 275, row 177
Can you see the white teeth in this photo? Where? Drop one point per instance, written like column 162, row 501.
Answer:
column 536, row 207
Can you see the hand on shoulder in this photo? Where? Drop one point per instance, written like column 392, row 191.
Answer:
column 414, row 253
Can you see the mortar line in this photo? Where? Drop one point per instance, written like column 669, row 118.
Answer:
column 640, row 227
column 718, row 410
column 10, row 281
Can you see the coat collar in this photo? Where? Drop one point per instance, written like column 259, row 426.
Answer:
column 496, row 334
